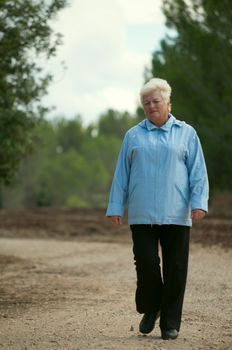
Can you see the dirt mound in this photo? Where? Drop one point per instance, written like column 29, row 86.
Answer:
column 90, row 224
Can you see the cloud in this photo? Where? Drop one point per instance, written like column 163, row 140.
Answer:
column 118, row 98
column 142, row 12
column 107, row 43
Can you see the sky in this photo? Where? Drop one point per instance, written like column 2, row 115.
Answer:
column 106, row 46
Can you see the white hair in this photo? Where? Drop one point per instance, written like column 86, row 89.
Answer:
column 157, row 84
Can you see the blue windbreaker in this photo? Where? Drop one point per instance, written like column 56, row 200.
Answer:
column 161, row 173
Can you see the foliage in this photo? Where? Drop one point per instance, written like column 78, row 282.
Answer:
column 114, row 123
column 197, row 61
column 72, row 165
column 25, row 33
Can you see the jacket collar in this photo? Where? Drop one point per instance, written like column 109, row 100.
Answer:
column 146, row 123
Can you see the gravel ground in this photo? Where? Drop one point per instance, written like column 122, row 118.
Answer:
column 79, row 294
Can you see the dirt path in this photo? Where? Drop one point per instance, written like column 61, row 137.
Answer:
column 80, row 295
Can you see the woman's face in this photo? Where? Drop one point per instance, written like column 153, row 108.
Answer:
column 155, row 108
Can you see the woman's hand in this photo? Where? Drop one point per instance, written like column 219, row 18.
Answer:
column 117, row 220
column 198, row 214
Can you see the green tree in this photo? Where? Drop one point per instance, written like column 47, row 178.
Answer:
column 197, row 61
column 25, row 34
column 70, row 133
column 114, row 123
column 61, row 173
column 22, row 191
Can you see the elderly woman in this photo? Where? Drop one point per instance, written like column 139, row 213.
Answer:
column 161, row 173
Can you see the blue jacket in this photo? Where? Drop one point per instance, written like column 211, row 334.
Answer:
column 161, row 173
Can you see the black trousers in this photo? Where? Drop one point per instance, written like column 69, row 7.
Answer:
column 155, row 290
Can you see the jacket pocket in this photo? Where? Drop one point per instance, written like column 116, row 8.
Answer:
column 182, row 193
column 182, row 201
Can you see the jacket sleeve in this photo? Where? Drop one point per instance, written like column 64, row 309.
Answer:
column 119, row 188
column 198, row 179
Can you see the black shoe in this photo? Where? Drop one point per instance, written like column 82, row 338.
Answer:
column 147, row 323
column 169, row 334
